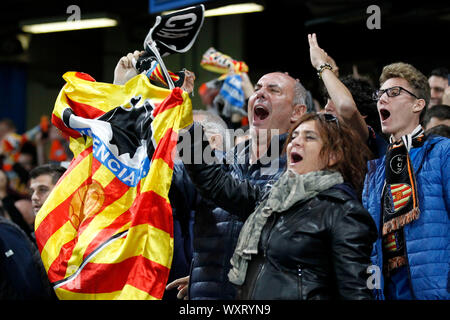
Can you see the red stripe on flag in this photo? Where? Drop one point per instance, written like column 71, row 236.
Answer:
column 173, row 100
column 150, row 208
column 84, row 110
column 159, row 75
column 108, row 232
column 60, row 215
column 67, row 132
column 111, row 193
column 84, row 76
column 156, row 212
column 57, row 271
column 137, row 271
column 52, row 222
column 166, row 146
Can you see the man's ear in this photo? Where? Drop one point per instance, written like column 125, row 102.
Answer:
column 418, row 107
column 297, row 111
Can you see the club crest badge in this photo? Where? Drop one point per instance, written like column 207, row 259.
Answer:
column 398, row 163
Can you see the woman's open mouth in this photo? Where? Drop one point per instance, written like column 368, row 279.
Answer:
column 295, row 157
column 385, row 114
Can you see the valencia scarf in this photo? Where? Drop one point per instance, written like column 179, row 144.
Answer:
column 400, row 204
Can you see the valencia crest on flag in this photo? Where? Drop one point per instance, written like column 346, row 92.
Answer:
column 105, row 231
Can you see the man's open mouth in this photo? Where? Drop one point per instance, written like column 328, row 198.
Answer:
column 296, row 157
column 260, row 113
column 384, row 114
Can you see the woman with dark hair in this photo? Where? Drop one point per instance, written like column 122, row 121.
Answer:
column 308, row 238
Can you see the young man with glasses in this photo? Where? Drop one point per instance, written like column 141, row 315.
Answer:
column 407, row 193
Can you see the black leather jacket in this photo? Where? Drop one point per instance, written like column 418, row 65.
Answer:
column 318, row 249
column 216, row 230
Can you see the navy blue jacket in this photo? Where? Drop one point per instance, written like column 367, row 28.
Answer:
column 182, row 196
column 216, row 231
column 22, row 274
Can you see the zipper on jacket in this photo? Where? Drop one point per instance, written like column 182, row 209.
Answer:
column 407, row 266
column 266, row 244
column 300, row 281
column 263, row 264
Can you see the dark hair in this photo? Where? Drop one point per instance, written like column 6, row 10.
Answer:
column 351, row 152
column 440, row 72
column 55, row 171
column 440, row 130
column 362, row 91
column 440, row 111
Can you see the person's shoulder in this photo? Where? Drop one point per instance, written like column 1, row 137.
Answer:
column 437, row 139
column 9, row 230
column 340, row 193
column 438, row 144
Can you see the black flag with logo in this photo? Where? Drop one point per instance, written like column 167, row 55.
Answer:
column 176, row 32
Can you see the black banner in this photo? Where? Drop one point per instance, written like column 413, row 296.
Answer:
column 176, row 32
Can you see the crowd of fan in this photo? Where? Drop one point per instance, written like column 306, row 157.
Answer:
column 31, row 164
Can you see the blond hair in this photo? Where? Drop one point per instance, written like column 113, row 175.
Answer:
column 415, row 78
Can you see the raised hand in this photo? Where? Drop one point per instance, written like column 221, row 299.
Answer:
column 126, row 67
column 318, row 55
column 188, row 84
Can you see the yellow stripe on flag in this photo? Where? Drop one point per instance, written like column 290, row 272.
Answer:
column 161, row 172
column 52, row 247
column 142, row 237
column 98, row 223
column 65, row 188
column 106, row 96
column 172, row 119
column 103, row 176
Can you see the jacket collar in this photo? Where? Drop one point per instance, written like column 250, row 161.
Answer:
column 242, row 151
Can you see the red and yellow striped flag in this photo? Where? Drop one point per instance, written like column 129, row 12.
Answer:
column 105, row 231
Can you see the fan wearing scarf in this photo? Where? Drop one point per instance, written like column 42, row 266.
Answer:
column 407, row 193
column 309, row 237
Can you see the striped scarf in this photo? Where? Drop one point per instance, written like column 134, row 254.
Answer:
column 399, row 200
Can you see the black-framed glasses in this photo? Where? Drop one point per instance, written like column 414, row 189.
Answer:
column 329, row 118
column 391, row 92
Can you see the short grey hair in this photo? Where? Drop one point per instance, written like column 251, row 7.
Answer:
column 299, row 94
